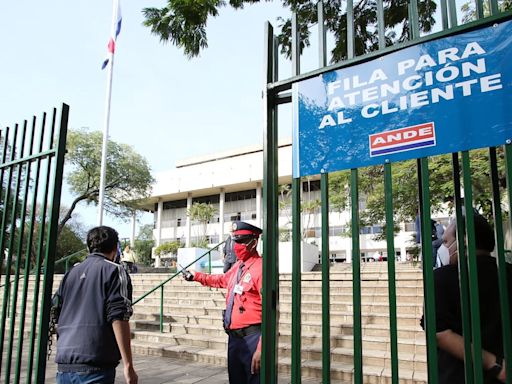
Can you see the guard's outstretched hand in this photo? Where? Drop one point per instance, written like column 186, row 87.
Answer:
column 187, row 275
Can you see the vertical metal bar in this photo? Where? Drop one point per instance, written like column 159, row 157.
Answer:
column 296, row 235
column 322, row 40
column 463, row 271
column 162, row 309
column 356, row 278
column 502, row 265
column 508, row 167
column 14, row 219
column 444, row 14
column 296, row 282
column 479, row 9
column 210, row 262
column 452, row 13
column 295, row 45
column 40, row 250
column 37, row 262
column 428, row 275
column 28, row 243
column 494, row 10
column 390, row 238
column 414, row 26
column 4, row 232
column 326, row 318
column 380, row 24
column 350, row 29
column 472, row 271
column 51, row 240
column 270, row 220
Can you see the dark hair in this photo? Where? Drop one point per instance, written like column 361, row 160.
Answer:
column 102, row 239
column 484, row 234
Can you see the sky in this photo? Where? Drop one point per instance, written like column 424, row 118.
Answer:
column 164, row 105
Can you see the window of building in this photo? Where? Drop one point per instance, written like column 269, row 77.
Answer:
column 312, row 185
column 240, row 195
column 212, row 199
column 178, row 222
column 175, row 204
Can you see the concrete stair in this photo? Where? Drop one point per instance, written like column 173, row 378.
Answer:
column 193, row 323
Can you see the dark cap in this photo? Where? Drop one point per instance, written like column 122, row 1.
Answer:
column 243, row 228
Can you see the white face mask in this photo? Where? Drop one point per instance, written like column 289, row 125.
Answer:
column 443, row 255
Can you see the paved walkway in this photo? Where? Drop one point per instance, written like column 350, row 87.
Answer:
column 159, row 370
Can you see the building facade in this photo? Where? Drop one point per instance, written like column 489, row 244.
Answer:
column 232, row 182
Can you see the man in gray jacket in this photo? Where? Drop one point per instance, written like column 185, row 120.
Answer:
column 93, row 329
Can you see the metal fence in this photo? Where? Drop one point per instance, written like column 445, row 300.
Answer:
column 277, row 92
column 32, row 163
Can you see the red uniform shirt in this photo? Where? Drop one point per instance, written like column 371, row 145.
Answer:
column 247, row 305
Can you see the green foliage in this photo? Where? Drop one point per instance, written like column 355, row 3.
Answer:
column 71, row 240
column 405, row 187
column 144, row 243
column 201, row 213
column 183, row 23
column 128, row 176
column 469, row 9
column 170, row 247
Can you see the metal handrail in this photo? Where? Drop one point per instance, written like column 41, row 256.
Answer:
column 161, row 285
column 62, row 260
column 67, row 258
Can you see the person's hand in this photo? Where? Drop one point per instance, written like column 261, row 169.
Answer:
column 503, row 373
column 256, row 362
column 187, row 275
column 129, row 375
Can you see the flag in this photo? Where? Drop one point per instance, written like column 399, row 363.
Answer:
column 116, row 28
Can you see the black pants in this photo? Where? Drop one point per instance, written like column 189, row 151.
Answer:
column 240, row 351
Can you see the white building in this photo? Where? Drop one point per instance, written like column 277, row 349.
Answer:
column 232, row 182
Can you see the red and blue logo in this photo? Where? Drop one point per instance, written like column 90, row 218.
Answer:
column 403, row 139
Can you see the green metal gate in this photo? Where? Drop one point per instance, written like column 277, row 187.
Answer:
column 32, row 163
column 278, row 92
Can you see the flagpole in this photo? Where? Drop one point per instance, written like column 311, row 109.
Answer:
column 106, row 125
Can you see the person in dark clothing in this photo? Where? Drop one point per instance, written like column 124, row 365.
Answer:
column 450, row 341
column 437, row 240
column 93, row 330
column 229, row 254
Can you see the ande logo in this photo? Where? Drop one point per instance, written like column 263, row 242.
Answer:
column 403, row 139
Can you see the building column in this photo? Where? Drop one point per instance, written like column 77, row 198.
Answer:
column 403, row 253
column 189, row 222
column 259, row 213
column 159, row 229
column 134, row 222
column 222, row 198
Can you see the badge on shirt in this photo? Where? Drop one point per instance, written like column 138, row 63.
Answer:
column 238, row 289
column 247, row 278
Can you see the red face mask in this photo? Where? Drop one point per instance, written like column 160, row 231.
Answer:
column 244, row 251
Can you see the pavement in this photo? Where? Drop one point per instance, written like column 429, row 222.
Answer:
column 160, row 370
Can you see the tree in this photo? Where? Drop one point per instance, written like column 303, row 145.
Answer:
column 71, row 240
column 469, row 9
column 201, row 213
column 128, row 176
column 144, row 243
column 183, row 23
column 405, row 187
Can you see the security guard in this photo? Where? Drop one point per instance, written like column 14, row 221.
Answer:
column 242, row 317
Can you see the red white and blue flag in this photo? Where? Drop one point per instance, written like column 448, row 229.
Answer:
column 116, row 28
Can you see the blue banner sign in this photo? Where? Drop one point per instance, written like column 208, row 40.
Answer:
column 442, row 96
